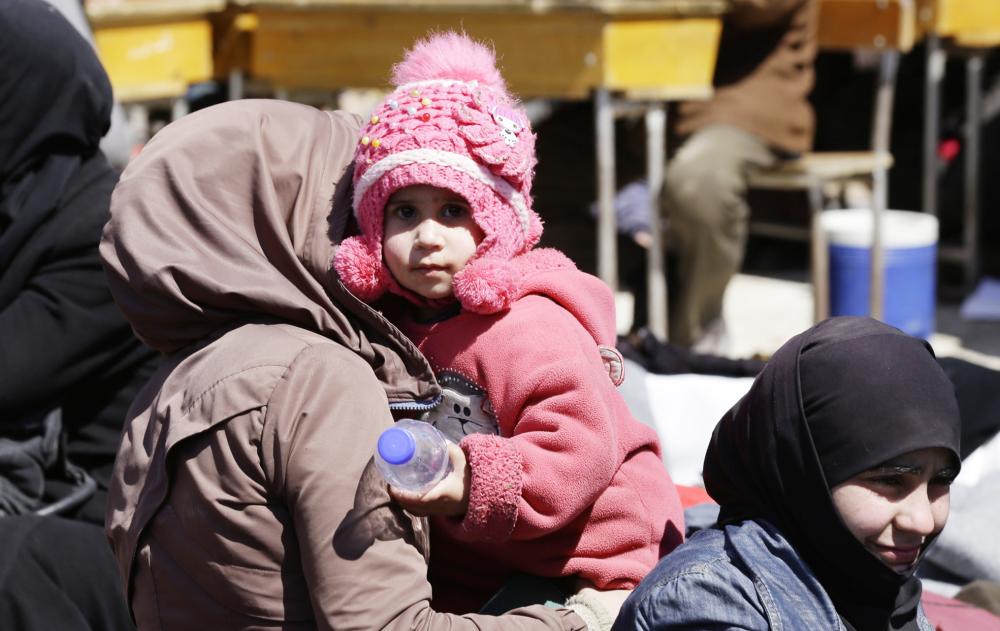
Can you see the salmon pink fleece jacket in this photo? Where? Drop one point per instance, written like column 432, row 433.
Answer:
column 564, row 480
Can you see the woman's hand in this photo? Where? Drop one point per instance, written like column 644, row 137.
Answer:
column 449, row 497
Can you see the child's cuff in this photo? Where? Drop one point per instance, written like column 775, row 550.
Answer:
column 591, row 610
column 495, row 488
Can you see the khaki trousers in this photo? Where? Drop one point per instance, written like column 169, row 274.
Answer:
column 705, row 200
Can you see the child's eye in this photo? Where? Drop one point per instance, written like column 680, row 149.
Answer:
column 454, row 211
column 404, row 212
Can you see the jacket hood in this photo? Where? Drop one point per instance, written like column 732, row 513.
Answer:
column 550, row 273
column 229, row 216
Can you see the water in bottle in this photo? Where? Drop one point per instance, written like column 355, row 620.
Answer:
column 412, row 456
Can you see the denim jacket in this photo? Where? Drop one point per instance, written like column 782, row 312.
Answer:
column 743, row 576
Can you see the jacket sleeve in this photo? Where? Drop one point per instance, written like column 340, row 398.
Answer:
column 700, row 598
column 63, row 326
column 554, row 400
column 363, row 558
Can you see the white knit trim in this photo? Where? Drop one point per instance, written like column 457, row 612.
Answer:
column 432, row 82
column 455, row 161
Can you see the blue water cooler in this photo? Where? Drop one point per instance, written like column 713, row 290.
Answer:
column 910, row 253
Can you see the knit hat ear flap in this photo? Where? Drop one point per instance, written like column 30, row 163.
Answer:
column 487, row 285
column 361, row 269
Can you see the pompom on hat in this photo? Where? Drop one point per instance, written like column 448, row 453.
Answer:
column 450, row 123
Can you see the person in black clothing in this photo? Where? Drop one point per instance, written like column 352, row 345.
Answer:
column 58, row 573
column 69, row 363
column 63, row 344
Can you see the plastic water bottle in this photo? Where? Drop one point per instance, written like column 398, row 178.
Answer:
column 412, row 455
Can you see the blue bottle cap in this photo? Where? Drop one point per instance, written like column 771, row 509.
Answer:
column 396, row 446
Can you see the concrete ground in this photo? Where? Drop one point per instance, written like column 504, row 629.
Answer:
column 762, row 312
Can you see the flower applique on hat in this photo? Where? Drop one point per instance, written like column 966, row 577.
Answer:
column 449, row 123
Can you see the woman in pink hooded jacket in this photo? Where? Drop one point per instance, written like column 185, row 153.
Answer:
column 554, row 476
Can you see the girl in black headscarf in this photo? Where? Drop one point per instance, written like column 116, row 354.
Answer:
column 832, row 474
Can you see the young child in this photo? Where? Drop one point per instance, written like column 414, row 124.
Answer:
column 555, row 476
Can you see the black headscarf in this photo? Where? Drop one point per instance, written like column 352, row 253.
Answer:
column 55, row 105
column 836, row 400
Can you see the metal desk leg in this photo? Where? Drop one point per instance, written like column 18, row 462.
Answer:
column 179, row 108
column 973, row 122
column 934, row 68
column 607, row 246
column 880, row 143
column 819, row 256
column 235, row 84
column 656, row 281
column 138, row 121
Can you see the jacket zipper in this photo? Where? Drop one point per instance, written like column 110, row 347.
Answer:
column 420, row 406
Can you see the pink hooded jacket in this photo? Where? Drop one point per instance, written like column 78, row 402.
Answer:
column 572, row 484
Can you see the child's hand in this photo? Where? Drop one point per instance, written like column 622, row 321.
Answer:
column 449, row 497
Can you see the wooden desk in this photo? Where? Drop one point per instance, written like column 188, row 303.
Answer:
column 969, row 28
column 614, row 50
column 867, row 24
column 972, row 23
column 559, row 48
column 153, row 49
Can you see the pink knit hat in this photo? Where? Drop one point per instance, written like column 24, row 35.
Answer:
column 449, row 123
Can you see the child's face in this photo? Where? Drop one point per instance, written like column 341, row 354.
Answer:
column 894, row 508
column 429, row 237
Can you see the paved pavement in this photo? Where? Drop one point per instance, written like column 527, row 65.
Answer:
column 762, row 312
